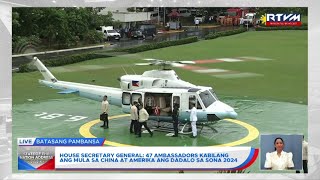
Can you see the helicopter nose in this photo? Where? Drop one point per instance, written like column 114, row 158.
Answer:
column 223, row 110
column 233, row 114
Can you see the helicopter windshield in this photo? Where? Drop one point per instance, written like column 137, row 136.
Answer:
column 214, row 94
column 207, row 98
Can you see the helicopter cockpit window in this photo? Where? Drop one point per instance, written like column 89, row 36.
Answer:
column 207, row 98
column 193, row 100
column 214, row 94
column 126, row 97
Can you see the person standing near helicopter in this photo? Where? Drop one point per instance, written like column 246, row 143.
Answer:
column 143, row 117
column 134, row 118
column 105, row 112
column 175, row 115
column 193, row 120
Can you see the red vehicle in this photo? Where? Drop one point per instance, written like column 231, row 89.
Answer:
column 233, row 16
column 237, row 12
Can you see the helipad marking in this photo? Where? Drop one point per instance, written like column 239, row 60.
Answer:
column 85, row 130
column 210, row 70
column 255, row 58
column 230, row 59
column 189, row 67
column 236, row 75
column 253, row 132
column 207, row 61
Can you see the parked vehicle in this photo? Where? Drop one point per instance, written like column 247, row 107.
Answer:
column 109, row 33
column 184, row 12
column 200, row 18
column 250, row 19
column 148, row 29
column 137, row 34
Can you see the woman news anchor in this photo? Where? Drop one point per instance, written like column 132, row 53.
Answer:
column 279, row 159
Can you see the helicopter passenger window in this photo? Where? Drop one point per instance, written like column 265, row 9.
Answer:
column 207, row 98
column 137, row 97
column 176, row 100
column 126, row 98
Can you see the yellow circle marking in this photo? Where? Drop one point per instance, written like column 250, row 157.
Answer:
column 85, row 130
column 253, row 132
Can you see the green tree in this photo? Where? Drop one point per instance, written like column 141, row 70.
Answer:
column 58, row 26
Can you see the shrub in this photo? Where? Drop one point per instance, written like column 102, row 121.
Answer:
column 25, row 68
column 72, row 59
column 59, row 61
column 225, row 33
column 159, row 45
column 93, row 37
column 267, row 28
column 21, row 43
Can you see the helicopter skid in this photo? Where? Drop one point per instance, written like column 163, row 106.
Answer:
column 183, row 128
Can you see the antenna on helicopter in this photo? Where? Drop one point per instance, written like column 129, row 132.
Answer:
column 124, row 70
column 163, row 63
column 133, row 70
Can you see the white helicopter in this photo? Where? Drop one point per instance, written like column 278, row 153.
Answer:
column 156, row 90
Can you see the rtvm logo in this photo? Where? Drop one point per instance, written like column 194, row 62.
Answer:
column 281, row 19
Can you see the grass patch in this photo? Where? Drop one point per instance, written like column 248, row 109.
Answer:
column 284, row 78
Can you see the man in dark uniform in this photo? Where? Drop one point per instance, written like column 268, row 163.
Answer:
column 175, row 115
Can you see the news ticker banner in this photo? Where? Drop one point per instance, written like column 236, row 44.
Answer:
column 90, row 154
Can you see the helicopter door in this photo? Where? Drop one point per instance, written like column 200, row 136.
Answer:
column 126, row 102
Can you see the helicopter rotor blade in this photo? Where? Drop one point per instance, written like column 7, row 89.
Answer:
column 176, row 64
column 165, row 63
column 143, row 64
column 185, row 62
column 150, row 59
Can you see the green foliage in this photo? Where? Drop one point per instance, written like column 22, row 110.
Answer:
column 59, row 27
column 72, row 59
column 158, row 45
column 25, row 68
column 20, row 44
column 93, row 37
column 225, row 33
column 64, row 60
column 15, row 21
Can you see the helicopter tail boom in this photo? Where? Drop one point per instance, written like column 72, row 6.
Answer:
column 44, row 71
column 89, row 91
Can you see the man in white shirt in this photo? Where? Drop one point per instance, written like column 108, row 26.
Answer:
column 193, row 120
column 134, row 118
column 143, row 117
column 105, row 112
column 196, row 22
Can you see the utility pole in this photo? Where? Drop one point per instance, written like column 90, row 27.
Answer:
column 164, row 16
column 158, row 15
